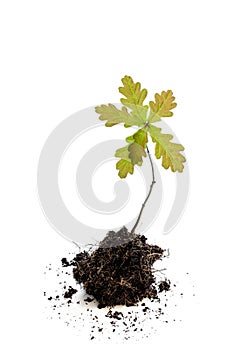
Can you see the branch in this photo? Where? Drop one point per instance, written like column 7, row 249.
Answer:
column 148, row 195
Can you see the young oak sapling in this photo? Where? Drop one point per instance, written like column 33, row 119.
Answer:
column 120, row 271
column 135, row 113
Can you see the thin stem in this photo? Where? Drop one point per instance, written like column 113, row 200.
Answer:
column 148, row 195
column 152, row 165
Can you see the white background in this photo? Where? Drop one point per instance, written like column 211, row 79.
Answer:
column 58, row 57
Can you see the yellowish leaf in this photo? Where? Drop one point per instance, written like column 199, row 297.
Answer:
column 132, row 91
column 114, row 116
column 169, row 152
column 125, row 167
column 162, row 106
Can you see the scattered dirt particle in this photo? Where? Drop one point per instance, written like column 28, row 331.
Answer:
column 88, row 299
column 164, row 286
column 70, row 292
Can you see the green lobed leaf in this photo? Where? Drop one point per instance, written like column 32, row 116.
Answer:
column 169, row 152
column 125, row 167
column 123, row 153
column 140, row 137
column 136, row 153
column 114, row 116
column 138, row 142
column 132, row 154
column 162, row 106
column 132, row 91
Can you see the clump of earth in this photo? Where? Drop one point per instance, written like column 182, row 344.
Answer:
column 120, row 270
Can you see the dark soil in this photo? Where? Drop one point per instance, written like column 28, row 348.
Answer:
column 120, row 271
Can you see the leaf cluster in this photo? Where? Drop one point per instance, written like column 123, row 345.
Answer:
column 135, row 113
